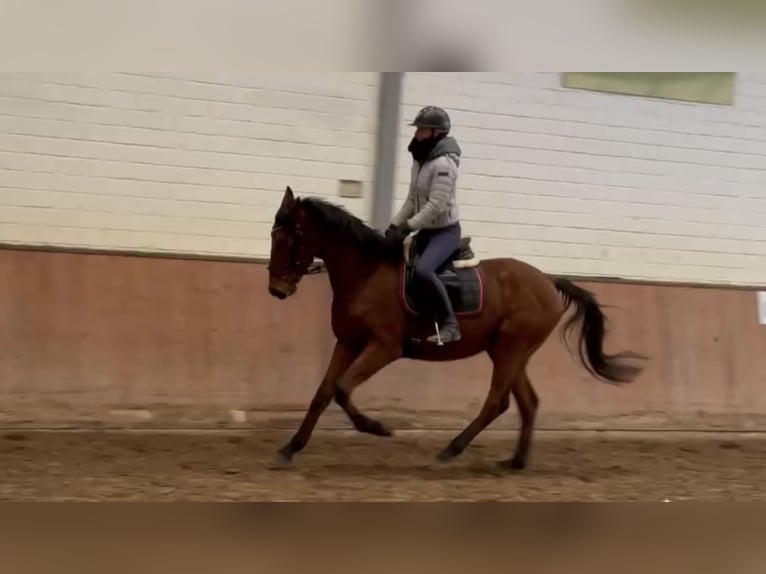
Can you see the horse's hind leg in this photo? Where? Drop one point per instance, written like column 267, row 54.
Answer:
column 527, row 402
column 506, row 364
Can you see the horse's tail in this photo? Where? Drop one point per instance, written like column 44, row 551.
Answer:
column 591, row 341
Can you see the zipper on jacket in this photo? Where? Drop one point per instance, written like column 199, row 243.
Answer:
column 417, row 195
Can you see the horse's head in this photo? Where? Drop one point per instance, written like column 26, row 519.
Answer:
column 293, row 247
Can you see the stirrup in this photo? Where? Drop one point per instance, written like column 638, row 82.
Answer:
column 439, row 342
column 438, row 334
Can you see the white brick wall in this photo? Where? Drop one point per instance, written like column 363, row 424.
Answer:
column 572, row 181
column 586, row 183
column 182, row 163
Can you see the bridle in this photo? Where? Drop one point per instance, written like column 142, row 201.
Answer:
column 294, row 264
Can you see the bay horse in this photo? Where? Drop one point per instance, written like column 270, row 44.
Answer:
column 507, row 308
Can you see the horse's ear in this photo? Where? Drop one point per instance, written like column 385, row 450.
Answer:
column 288, row 199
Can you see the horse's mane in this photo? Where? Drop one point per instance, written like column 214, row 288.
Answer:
column 337, row 222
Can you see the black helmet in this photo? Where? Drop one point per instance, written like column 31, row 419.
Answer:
column 432, row 117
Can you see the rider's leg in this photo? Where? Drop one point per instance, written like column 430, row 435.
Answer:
column 441, row 244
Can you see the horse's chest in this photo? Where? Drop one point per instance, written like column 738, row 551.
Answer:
column 346, row 321
column 364, row 315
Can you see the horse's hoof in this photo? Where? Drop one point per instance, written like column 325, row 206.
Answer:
column 446, row 455
column 283, row 459
column 377, row 428
column 515, row 463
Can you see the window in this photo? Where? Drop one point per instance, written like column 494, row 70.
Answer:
column 702, row 87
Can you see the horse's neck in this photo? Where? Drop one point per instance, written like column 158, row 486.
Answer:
column 347, row 268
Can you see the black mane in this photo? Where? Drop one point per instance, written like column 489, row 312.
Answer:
column 336, row 221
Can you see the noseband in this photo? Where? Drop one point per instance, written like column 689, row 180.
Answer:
column 293, row 264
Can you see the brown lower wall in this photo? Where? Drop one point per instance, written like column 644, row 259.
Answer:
column 84, row 337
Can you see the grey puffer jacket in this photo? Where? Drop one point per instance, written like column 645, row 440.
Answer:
column 431, row 201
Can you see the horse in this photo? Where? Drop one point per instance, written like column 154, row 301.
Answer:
column 506, row 308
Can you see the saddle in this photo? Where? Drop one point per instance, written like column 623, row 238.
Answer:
column 462, row 258
column 460, row 274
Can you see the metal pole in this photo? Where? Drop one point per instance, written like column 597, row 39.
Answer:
column 387, row 135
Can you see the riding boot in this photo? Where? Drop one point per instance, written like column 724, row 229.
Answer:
column 449, row 330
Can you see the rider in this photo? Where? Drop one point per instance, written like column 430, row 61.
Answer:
column 430, row 207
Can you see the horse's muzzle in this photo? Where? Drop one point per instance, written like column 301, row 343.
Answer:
column 281, row 289
column 277, row 293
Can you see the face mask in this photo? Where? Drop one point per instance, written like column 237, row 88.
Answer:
column 421, row 148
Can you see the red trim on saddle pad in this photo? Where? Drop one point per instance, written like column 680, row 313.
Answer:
column 403, row 292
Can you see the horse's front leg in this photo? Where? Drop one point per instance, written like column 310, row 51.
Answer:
column 373, row 359
column 344, row 373
column 341, row 360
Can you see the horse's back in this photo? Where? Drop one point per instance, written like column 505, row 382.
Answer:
column 513, row 265
column 520, row 280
